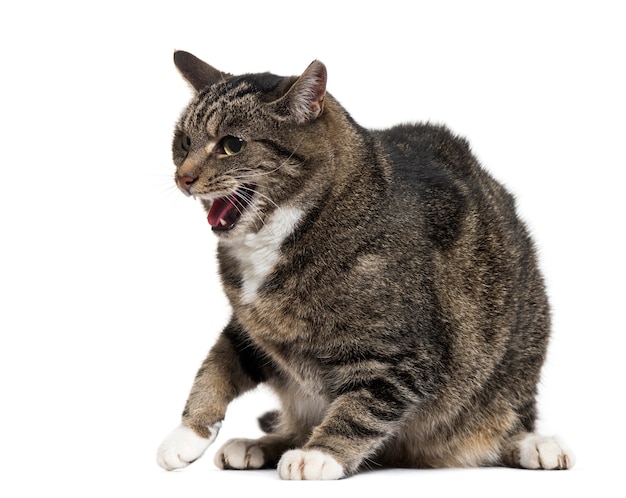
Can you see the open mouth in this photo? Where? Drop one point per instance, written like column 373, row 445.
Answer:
column 225, row 212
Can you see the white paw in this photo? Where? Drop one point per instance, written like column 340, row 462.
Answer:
column 240, row 454
column 183, row 446
column 549, row 453
column 309, row 465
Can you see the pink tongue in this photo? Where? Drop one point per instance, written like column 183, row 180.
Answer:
column 219, row 209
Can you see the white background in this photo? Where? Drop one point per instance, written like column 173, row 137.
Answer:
column 109, row 298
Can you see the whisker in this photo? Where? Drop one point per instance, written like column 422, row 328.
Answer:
column 256, row 192
column 250, row 173
column 250, row 207
column 248, row 187
column 162, row 185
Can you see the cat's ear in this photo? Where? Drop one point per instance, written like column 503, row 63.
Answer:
column 198, row 73
column 304, row 101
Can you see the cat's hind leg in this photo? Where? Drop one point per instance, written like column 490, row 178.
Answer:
column 250, row 454
column 240, row 454
column 532, row 451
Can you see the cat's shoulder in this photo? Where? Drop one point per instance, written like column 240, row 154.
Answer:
column 425, row 142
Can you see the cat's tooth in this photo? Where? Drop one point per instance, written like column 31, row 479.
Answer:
column 223, row 222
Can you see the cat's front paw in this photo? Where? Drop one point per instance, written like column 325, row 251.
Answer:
column 183, row 446
column 309, row 465
column 548, row 453
column 240, row 454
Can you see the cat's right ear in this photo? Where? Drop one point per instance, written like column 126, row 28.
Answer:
column 198, row 73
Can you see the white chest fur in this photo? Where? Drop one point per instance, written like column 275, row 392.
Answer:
column 259, row 252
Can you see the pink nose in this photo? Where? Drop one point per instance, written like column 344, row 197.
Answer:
column 185, row 182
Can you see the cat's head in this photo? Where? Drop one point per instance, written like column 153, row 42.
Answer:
column 242, row 144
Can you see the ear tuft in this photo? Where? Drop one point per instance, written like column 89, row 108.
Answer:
column 305, row 99
column 198, row 73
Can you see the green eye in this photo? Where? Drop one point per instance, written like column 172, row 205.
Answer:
column 233, row 145
column 185, row 143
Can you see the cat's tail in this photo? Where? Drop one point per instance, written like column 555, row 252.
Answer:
column 270, row 421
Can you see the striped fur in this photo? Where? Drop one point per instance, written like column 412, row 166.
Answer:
column 396, row 309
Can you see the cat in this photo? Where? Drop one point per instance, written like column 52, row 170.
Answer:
column 381, row 284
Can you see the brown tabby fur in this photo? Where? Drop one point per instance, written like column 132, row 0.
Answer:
column 403, row 321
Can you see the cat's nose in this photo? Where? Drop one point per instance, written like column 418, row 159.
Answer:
column 185, row 182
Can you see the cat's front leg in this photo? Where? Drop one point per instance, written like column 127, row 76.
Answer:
column 310, row 465
column 183, row 446
column 229, row 370
column 355, row 426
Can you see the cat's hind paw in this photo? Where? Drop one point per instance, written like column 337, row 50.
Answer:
column 240, row 454
column 183, row 446
column 548, row 453
column 300, row 465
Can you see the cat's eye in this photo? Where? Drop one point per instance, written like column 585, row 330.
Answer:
column 232, row 145
column 185, row 142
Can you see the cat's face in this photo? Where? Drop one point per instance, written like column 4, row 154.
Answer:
column 238, row 145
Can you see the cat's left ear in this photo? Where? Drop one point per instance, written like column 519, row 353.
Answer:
column 304, row 101
column 198, row 73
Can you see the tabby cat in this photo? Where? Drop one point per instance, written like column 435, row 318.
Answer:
column 381, row 284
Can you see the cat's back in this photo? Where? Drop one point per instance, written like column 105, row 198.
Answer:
column 435, row 174
column 426, row 156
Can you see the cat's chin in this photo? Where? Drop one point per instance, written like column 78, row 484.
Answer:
column 230, row 231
